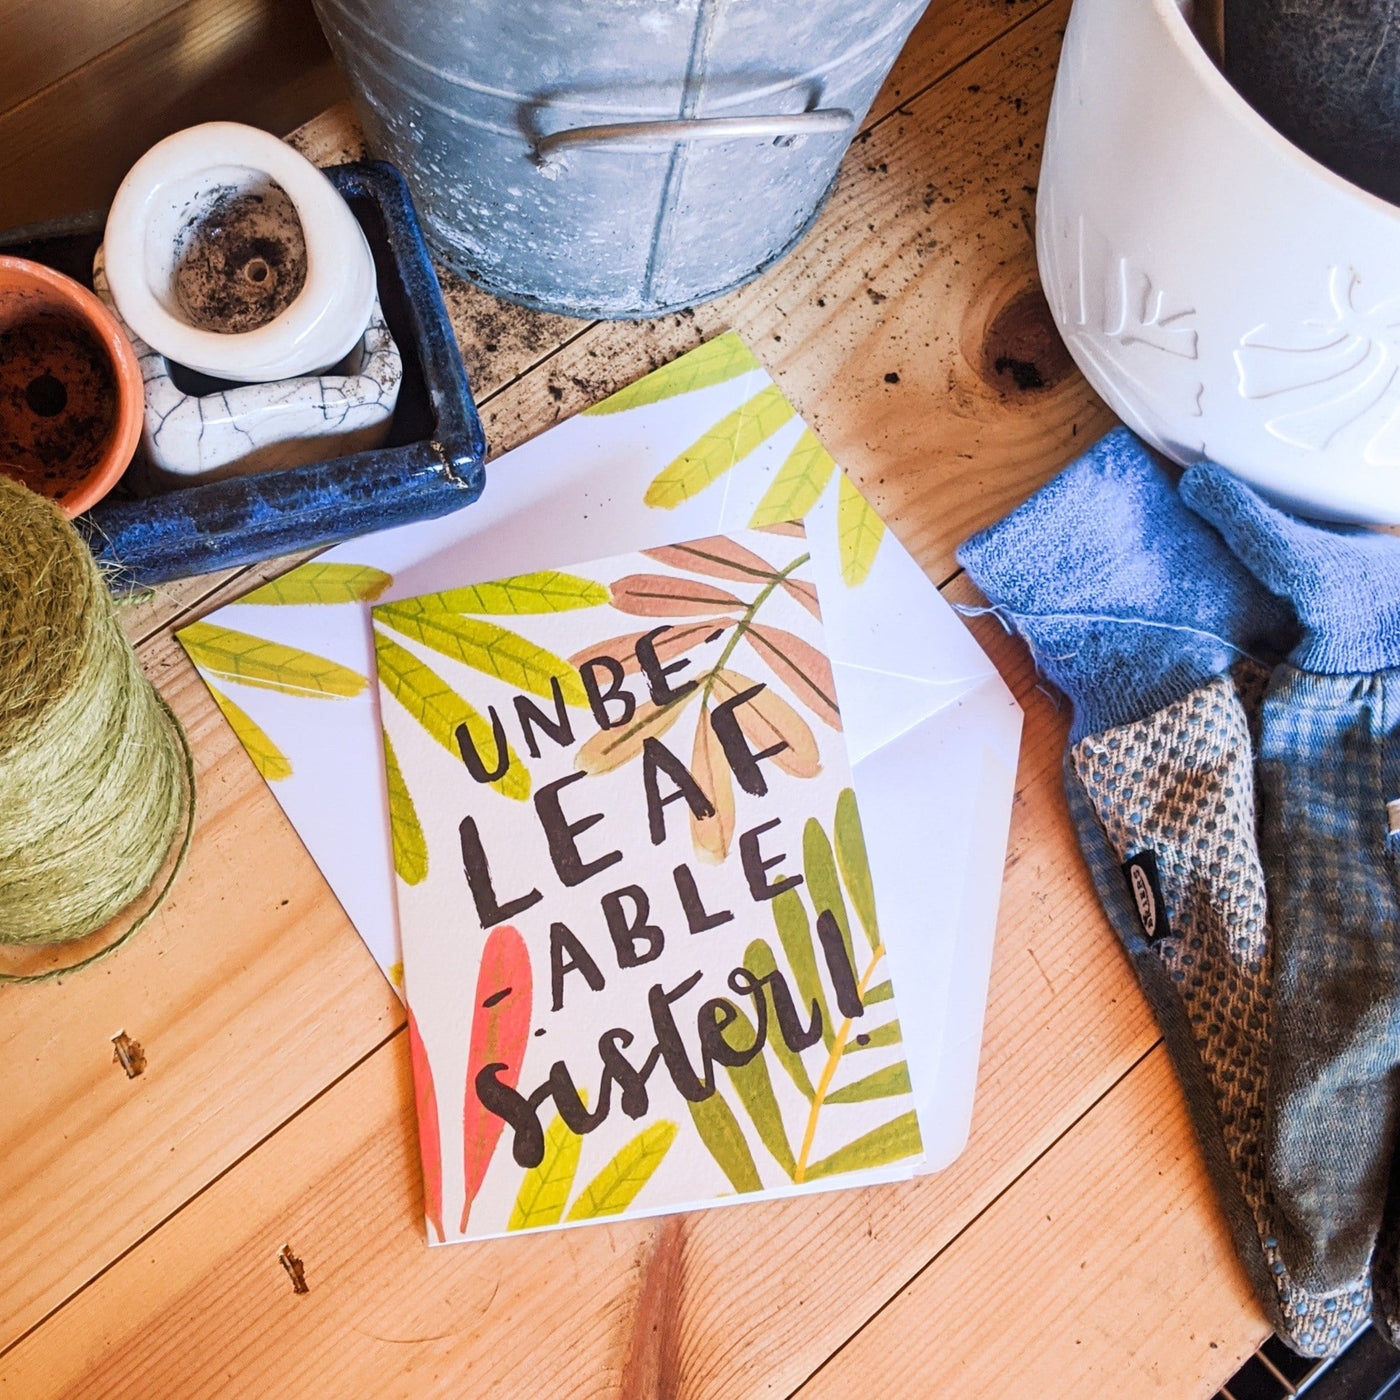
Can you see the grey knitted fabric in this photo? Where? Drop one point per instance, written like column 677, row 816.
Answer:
column 1180, row 784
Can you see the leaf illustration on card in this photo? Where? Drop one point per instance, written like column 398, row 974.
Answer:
column 248, row 660
column 616, row 1186
column 795, row 938
column 883, row 1084
column 673, row 642
column 440, row 710
column 858, row 531
column 891, row 1142
column 798, row 485
column 429, row 1133
column 805, row 594
column 759, row 960
column 724, row 1140
column 723, row 358
column 881, row 991
column 500, row 1031
column 767, row 720
column 823, row 886
column 410, row 848
column 755, row 1090
column 662, row 595
column 804, row 669
column 611, row 748
column 729, row 441
column 719, row 557
column 322, row 583
column 711, row 835
column 547, row 591
column 544, row 1190
column 486, row 647
column 875, row 1038
column 267, row 758
column 855, row 866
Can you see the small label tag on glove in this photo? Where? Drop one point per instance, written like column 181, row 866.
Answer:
column 1145, row 886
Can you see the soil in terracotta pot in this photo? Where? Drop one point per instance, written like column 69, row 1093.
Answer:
column 58, row 402
column 242, row 258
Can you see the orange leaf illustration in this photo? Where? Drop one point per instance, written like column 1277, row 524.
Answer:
column 711, row 835
column 768, row 719
column 611, row 748
column 801, row 666
column 500, row 1031
column 795, row 528
column 429, row 1134
column 669, row 645
column 717, row 556
column 805, row 593
column 659, row 595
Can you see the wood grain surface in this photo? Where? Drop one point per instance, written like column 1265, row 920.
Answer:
column 141, row 1220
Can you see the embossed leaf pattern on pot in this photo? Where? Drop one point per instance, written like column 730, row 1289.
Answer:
column 1319, row 378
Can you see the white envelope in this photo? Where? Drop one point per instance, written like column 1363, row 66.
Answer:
column 931, row 729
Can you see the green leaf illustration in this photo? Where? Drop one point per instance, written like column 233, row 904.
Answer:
column 410, row 849
column 755, row 1090
column 724, row 1139
column 323, row 583
column 881, row 991
column 724, row 357
column 544, row 1190
column 715, row 451
column 484, row 646
column 615, row 1187
column 267, row 758
column 759, row 960
column 798, row 485
column 858, row 532
column 888, row 1034
column 855, row 866
column 795, row 934
column 248, row 660
column 439, row 709
column 883, row 1084
column 547, row 591
column 893, row 1141
column 819, row 867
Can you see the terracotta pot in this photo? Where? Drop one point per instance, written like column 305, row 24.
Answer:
column 70, row 387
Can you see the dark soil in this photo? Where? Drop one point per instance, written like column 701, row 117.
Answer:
column 58, row 402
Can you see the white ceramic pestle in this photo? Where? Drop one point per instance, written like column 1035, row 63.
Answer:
column 231, row 254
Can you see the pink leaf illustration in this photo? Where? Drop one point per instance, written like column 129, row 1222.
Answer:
column 805, row 593
column 429, row 1134
column 500, row 1031
column 659, row 595
column 801, row 666
column 669, row 645
column 719, row 557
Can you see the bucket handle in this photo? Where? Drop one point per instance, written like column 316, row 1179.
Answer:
column 551, row 152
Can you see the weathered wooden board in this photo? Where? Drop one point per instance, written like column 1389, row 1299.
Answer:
column 1148, row 1298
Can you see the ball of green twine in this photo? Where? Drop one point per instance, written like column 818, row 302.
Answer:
column 96, row 779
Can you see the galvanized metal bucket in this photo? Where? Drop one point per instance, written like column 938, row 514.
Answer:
column 615, row 157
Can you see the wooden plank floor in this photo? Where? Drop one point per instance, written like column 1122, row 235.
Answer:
column 1074, row 1246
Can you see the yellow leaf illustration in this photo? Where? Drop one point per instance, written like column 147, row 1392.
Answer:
column 891, row 1142
column 544, row 592
column 439, row 709
column 615, row 1187
column 267, row 758
column 249, row 660
column 544, row 1190
column 410, row 849
column 396, row 974
column 711, row 835
column 714, row 452
column 323, row 583
column 859, row 532
column 484, row 646
column 767, row 720
column 724, row 357
column 798, row 485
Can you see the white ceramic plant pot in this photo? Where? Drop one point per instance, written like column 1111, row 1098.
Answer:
column 231, row 254
column 263, row 427
column 1227, row 295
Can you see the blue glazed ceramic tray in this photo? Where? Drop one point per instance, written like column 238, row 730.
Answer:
column 432, row 463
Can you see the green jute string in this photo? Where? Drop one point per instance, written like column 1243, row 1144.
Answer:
column 96, row 774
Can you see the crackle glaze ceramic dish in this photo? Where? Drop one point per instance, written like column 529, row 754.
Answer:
column 1226, row 294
